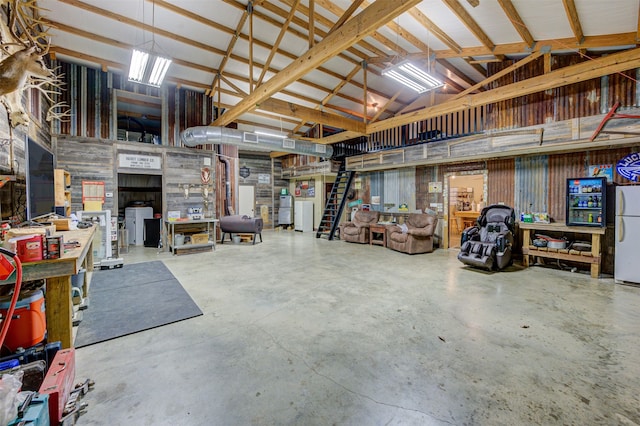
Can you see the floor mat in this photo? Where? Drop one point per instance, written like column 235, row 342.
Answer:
column 131, row 299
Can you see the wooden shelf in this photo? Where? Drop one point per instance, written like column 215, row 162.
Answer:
column 592, row 258
column 62, row 190
column 190, row 227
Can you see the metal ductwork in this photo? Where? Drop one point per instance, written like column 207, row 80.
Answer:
column 202, row 135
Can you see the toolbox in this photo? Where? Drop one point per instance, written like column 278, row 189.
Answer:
column 36, row 413
column 28, row 325
column 58, row 383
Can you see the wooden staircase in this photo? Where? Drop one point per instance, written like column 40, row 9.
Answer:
column 335, row 203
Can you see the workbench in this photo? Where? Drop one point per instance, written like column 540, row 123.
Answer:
column 57, row 275
column 189, row 227
column 592, row 257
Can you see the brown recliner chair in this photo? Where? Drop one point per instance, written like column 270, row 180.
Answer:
column 414, row 236
column 357, row 231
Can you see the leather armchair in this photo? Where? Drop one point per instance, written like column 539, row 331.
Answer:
column 357, row 231
column 415, row 236
column 488, row 244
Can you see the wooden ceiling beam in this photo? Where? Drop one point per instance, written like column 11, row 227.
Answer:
column 452, row 69
column 331, row 7
column 115, row 43
column 517, row 22
column 141, row 25
column 613, row 63
column 346, row 15
column 603, row 41
column 230, row 47
column 470, row 23
column 574, row 19
column 357, row 28
column 335, row 90
column 239, row 34
column 424, row 47
column 276, row 44
column 386, row 106
column 312, row 23
column 499, row 74
column 434, row 29
column 282, row 13
column 289, row 109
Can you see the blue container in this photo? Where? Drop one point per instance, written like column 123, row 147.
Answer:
column 77, row 280
column 37, row 413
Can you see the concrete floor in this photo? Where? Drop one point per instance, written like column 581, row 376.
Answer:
column 305, row 331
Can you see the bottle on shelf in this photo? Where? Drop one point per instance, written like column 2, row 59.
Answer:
column 590, row 202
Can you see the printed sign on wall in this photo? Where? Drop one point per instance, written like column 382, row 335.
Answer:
column 629, row 167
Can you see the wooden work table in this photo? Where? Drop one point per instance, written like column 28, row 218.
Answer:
column 57, row 275
column 592, row 257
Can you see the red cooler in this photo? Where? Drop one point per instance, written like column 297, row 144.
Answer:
column 29, row 324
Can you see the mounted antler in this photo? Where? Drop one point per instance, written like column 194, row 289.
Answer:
column 22, row 60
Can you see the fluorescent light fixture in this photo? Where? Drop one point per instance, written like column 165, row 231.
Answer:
column 148, row 68
column 273, row 135
column 413, row 77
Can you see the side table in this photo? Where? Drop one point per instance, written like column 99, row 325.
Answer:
column 378, row 234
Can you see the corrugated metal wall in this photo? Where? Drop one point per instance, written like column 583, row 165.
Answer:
column 531, row 180
column 562, row 167
column 562, row 103
column 501, row 181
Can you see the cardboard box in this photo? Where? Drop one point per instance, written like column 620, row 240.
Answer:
column 62, row 224
column 47, row 230
column 199, row 238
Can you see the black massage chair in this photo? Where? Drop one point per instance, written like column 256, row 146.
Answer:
column 488, row 244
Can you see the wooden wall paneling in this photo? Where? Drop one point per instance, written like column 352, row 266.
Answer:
column 104, row 93
column 424, row 198
column 183, row 168
column 261, row 165
column 91, row 107
column 87, row 159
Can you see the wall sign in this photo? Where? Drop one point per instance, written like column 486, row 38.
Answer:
column 602, row 170
column 244, row 172
column 137, row 161
column 264, row 178
column 629, row 167
column 435, row 187
column 205, row 175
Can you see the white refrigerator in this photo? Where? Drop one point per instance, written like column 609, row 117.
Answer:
column 627, row 234
column 303, row 216
column 134, row 223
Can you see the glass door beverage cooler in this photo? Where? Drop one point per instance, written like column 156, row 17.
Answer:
column 586, row 201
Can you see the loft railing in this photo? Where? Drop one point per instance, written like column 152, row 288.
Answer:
column 449, row 126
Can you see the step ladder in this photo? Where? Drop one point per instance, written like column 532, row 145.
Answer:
column 335, row 203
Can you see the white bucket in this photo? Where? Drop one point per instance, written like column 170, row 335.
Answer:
column 236, row 239
column 178, row 239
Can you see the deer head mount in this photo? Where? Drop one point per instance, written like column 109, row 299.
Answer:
column 23, row 46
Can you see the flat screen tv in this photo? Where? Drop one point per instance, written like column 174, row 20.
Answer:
column 40, row 187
